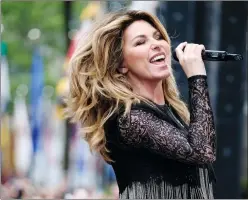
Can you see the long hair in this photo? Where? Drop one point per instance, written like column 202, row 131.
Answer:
column 97, row 89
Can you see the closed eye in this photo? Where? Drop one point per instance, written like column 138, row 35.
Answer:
column 140, row 42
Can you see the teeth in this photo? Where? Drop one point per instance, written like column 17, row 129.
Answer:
column 157, row 58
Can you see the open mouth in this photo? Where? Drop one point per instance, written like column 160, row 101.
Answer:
column 159, row 59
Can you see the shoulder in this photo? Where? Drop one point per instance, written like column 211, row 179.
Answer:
column 140, row 114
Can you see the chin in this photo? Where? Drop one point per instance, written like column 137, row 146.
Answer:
column 167, row 74
column 163, row 75
column 159, row 78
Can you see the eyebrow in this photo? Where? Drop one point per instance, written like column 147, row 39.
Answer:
column 142, row 36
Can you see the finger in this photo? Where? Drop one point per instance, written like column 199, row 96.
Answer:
column 200, row 48
column 179, row 50
column 191, row 49
column 182, row 45
column 188, row 49
column 194, row 47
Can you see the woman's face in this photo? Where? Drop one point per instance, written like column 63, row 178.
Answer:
column 147, row 55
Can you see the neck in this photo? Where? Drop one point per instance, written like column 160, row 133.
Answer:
column 150, row 90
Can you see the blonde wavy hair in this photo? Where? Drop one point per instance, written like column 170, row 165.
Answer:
column 97, row 89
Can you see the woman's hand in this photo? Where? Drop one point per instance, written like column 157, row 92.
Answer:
column 191, row 59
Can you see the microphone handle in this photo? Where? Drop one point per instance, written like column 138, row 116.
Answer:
column 211, row 55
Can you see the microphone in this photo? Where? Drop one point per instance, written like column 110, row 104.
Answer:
column 212, row 55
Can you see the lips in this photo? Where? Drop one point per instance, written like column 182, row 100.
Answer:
column 155, row 55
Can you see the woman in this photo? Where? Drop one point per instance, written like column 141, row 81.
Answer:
column 123, row 92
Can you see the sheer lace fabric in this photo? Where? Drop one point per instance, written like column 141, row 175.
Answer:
column 142, row 129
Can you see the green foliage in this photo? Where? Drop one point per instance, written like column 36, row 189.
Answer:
column 18, row 19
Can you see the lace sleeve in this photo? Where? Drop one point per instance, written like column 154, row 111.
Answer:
column 143, row 129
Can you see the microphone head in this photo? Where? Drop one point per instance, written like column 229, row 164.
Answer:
column 234, row 57
column 238, row 57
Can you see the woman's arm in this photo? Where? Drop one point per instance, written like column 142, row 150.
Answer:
column 142, row 129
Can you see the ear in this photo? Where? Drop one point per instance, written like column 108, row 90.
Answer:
column 122, row 69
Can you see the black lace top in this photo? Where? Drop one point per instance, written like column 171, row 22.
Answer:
column 156, row 155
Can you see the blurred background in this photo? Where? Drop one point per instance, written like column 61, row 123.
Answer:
column 42, row 154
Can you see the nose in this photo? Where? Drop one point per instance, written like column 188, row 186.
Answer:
column 155, row 47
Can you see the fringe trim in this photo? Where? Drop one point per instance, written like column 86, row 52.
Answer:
column 164, row 190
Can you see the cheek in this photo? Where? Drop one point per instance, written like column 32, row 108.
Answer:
column 135, row 56
column 167, row 48
column 138, row 53
column 167, row 51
